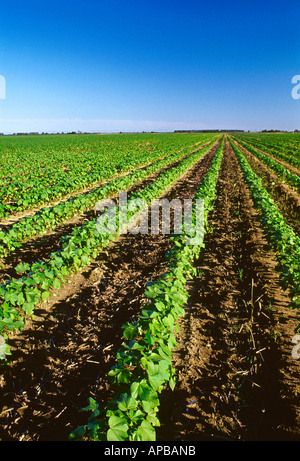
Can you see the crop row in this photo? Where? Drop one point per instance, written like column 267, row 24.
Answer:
column 285, row 242
column 49, row 218
column 287, row 143
column 144, row 362
column 21, row 295
column 284, row 173
column 282, row 152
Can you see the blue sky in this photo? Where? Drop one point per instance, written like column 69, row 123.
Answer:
column 149, row 65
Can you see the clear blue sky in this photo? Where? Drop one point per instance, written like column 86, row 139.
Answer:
column 118, row 65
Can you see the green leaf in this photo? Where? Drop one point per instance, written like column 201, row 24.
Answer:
column 156, row 380
column 92, row 405
column 118, row 429
column 21, row 299
column 21, row 268
column 126, row 402
column 172, row 384
column 49, row 274
column 130, row 330
column 77, row 434
column 7, row 350
column 146, row 432
column 164, row 368
column 28, row 308
column 148, row 337
column 138, row 389
column 56, row 284
column 45, row 295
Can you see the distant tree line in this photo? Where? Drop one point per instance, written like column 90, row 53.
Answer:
column 209, row 131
